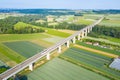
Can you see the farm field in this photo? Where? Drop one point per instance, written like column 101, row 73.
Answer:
column 92, row 16
column 93, row 61
column 58, row 69
column 54, row 39
column 111, row 23
column 9, row 56
column 111, row 20
column 24, row 48
column 57, row 33
column 18, row 37
column 37, row 38
column 48, row 30
column 99, row 48
column 84, row 21
column 67, row 31
column 113, row 16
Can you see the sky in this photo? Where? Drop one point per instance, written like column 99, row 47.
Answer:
column 61, row 4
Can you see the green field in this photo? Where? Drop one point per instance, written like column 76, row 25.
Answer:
column 109, row 39
column 99, row 48
column 17, row 37
column 57, row 33
column 92, row 16
column 113, row 16
column 110, row 23
column 84, row 21
column 21, row 25
column 48, row 30
column 58, row 69
column 111, row 20
column 24, row 48
column 93, row 61
column 53, row 39
column 9, row 56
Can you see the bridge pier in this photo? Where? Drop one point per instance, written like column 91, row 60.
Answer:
column 88, row 30
column 4, row 79
column 91, row 28
column 31, row 67
column 68, row 43
column 74, row 40
column 82, row 34
column 85, row 32
column 78, row 36
column 59, row 49
column 48, row 56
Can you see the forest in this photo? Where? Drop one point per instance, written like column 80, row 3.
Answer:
column 105, row 30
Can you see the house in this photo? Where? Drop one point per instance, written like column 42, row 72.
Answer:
column 96, row 44
column 89, row 43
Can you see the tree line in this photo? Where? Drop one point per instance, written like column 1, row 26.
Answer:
column 63, row 25
column 7, row 24
column 105, row 30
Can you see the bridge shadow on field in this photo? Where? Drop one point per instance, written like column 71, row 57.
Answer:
column 23, row 77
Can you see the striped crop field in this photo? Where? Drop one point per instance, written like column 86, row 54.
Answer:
column 58, row 69
column 93, row 61
column 24, row 48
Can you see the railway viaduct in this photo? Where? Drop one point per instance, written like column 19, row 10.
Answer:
column 30, row 61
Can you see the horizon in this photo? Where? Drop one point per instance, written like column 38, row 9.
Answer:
column 46, row 4
column 60, row 8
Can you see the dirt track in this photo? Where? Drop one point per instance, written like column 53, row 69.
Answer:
column 97, row 51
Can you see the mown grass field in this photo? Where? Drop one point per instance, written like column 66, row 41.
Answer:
column 21, row 25
column 92, row 16
column 99, row 48
column 84, row 21
column 110, row 23
column 113, row 16
column 24, row 48
column 54, row 39
column 18, row 37
column 57, row 33
column 111, row 20
column 93, row 61
column 58, row 69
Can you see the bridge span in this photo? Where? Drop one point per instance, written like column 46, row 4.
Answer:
column 30, row 61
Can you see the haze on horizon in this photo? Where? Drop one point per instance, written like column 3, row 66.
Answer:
column 61, row 4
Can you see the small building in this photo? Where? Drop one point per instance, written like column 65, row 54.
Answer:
column 50, row 19
column 96, row 44
column 89, row 43
column 115, row 64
